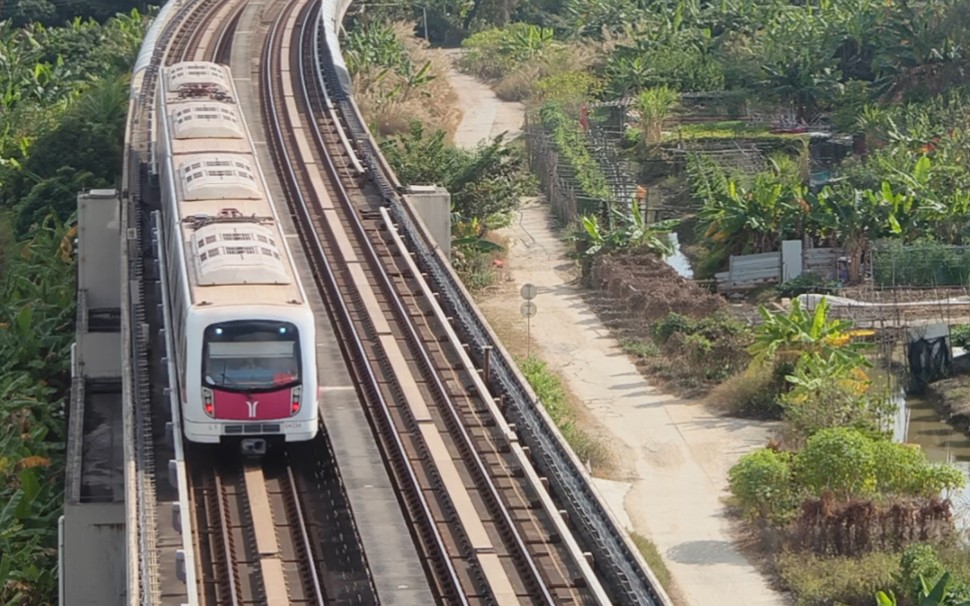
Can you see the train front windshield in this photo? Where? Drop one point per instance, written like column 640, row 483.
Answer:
column 251, row 355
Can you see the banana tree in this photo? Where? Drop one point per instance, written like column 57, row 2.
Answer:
column 754, row 218
column 784, row 338
column 629, row 232
column 937, row 595
column 654, row 105
column 856, row 218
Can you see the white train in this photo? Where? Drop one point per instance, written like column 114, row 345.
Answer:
column 243, row 331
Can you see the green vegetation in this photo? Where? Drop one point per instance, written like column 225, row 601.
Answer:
column 704, row 81
column 485, row 186
column 36, row 321
column 548, row 388
column 693, row 354
column 64, row 97
column 397, row 80
column 654, row 560
column 571, row 143
column 817, row 580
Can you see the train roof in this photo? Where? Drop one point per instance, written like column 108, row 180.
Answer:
column 233, row 243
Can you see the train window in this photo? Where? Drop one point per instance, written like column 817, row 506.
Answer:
column 251, row 355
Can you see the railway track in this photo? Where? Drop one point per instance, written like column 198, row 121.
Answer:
column 279, row 533
column 253, row 535
column 487, row 534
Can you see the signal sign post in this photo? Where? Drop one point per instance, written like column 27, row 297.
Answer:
column 528, row 309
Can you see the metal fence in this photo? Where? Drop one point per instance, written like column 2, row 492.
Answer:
column 921, row 264
column 557, row 178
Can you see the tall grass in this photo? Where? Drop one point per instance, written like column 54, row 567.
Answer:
column 655, row 561
column 549, row 388
column 390, row 99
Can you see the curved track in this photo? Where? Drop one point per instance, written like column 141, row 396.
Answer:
column 279, row 532
column 482, row 527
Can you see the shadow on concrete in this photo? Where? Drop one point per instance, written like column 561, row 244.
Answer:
column 706, row 552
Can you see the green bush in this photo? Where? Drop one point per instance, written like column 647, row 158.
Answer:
column 831, row 581
column 762, row 483
column 918, row 560
column 807, row 283
column 850, row 463
column 921, row 560
column 752, row 394
column 712, row 348
column 674, row 322
column 495, row 53
column 960, row 335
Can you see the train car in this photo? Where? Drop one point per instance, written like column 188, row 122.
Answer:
column 243, row 331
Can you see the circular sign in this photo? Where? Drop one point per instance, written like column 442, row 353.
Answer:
column 528, row 309
column 529, row 291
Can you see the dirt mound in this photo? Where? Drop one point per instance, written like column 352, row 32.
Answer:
column 649, row 288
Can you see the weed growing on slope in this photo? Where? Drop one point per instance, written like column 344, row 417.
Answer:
column 549, row 388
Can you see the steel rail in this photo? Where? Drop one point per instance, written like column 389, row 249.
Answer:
column 626, row 576
column 327, row 281
column 221, row 51
column 307, row 545
column 456, row 425
column 221, row 508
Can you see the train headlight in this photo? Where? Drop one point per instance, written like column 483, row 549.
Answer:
column 295, row 400
column 207, row 402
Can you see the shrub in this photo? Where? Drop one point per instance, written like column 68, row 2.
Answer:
column 922, row 560
column 714, row 347
column 762, row 483
column 818, row 581
column 839, row 460
column 640, row 349
column 826, row 392
column 496, row 52
column 918, row 561
column 849, row 463
column 807, row 283
column 674, row 322
column 960, row 335
column 752, row 394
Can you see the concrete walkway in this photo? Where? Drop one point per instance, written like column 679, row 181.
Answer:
column 676, row 451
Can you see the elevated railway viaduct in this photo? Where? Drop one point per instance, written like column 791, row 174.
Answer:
column 436, row 476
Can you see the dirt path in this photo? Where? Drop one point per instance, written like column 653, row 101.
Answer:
column 675, row 452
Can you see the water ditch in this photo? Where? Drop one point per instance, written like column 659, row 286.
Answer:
column 918, row 422
column 678, row 260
